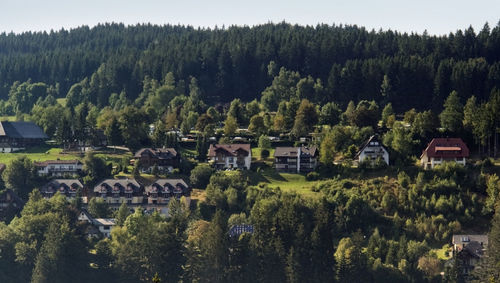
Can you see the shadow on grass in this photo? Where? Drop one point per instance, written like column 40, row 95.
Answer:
column 38, row 149
column 264, row 175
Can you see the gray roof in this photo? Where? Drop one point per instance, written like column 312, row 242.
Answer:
column 161, row 153
column 306, row 150
column 172, row 183
column 110, row 183
column 62, row 185
column 25, row 130
column 104, row 221
column 64, row 182
column 287, row 151
column 466, row 239
column 283, row 151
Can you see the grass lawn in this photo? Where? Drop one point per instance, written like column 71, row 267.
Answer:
column 47, row 152
column 8, row 118
column 285, row 181
column 256, row 155
column 40, row 153
column 441, row 253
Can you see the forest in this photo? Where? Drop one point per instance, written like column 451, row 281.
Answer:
column 329, row 86
column 347, row 62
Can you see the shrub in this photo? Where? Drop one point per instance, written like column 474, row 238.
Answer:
column 264, row 153
column 200, row 176
column 312, row 176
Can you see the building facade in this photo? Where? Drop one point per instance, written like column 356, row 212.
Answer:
column 117, row 191
column 163, row 190
column 15, row 136
column 58, row 167
column 373, row 150
column 230, row 156
column 442, row 150
column 295, row 159
column 66, row 187
column 469, row 249
column 166, row 159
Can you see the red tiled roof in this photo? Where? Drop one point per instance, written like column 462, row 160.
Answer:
column 447, row 147
column 229, row 149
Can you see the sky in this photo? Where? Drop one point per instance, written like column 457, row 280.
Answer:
column 436, row 16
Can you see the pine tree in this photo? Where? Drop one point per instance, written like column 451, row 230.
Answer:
column 122, row 214
column 452, row 115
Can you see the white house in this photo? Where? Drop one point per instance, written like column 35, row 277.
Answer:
column 372, row 150
column 58, row 167
column 230, row 156
column 105, row 225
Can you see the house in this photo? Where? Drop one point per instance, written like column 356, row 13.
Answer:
column 373, row 150
column 237, row 230
column 66, row 187
column 442, row 150
column 84, row 216
column 95, row 227
column 230, row 156
column 10, row 205
column 116, row 191
column 58, row 167
column 16, row 136
column 162, row 190
column 295, row 159
column 166, row 159
column 105, row 225
column 469, row 249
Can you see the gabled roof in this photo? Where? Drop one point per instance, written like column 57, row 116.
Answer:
column 465, row 239
column 25, row 130
column 285, row 151
column 171, row 183
column 104, row 221
column 308, row 151
column 228, row 149
column 160, row 153
column 67, row 183
column 368, row 143
column 86, row 214
column 110, row 183
column 446, row 147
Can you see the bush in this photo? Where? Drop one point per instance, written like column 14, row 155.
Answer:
column 312, row 176
column 352, row 150
column 264, row 142
column 264, row 153
column 200, row 176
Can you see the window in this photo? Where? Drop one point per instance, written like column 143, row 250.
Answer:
column 231, row 159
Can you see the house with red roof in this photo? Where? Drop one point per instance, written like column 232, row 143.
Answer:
column 442, row 150
column 230, row 156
